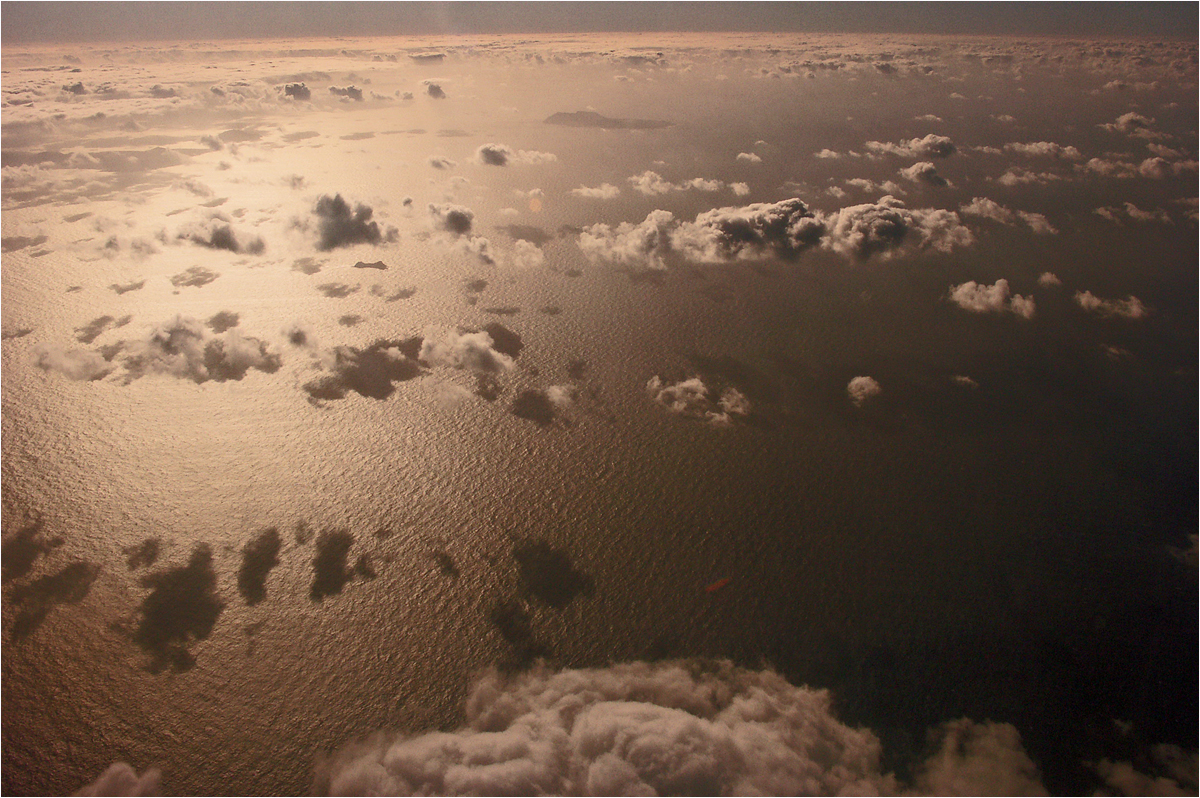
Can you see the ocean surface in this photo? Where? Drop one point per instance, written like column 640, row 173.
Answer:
column 1017, row 546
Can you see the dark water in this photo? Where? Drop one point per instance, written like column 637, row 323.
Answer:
column 223, row 578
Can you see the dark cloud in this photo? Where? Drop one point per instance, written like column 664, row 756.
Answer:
column 452, row 218
column 222, row 320
column 195, row 276
column 438, row 162
column 75, row 88
column 503, row 310
column 330, row 573
column 297, row 91
column 362, row 264
column 184, row 348
column 162, row 93
column 494, row 154
column 70, row 585
column 350, row 320
column 370, row 372
column 181, row 610
column 888, row 228
column 20, row 332
column 723, row 235
column 339, row 226
column 259, row 556
column 350, row 92
column 434, row 91
column 219, row 234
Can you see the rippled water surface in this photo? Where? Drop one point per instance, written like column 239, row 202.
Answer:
column 1014, row 547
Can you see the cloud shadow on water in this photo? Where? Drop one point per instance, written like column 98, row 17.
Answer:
column 20, row 549
column 181, row 610
column 330, row 573
column 259, row 556
column 67, row 586
column 549, row 575
column 143, row 554
column 371, row 372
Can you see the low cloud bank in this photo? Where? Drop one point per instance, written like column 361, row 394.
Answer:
column 672, row 728
column 886, row 228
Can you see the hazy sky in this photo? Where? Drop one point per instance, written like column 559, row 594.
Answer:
column 120, row 21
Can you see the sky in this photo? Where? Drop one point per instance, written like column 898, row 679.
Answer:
column 97, row 22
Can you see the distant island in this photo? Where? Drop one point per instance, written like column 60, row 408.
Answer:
column 593, row 119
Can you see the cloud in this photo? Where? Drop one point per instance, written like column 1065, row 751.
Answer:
column 990, row 209
column 339, row 226
column 297, row 91
column 1017, row 176
column 652, row 183
column 526, row 255
column 218, row 234
column 1129, row 308
column 76, row 364
column 454, row 219
column 860, row 389
column 924, row 172
column 979, row 298
column 1133, row 213
column 603, row 191
column 438, row 162
column 1174, row 773
column 182, row 348
column 722, row 235
column 638, row 247
column 1132, row 123
column 434, row 90
column 979, row 759
column 931, row 146
column 471, row 351
column 121, row 779
column 350, row 93
column 503, row 155
column 1048, row 279
column 888, row 228
column 748, row 157
column 1045, row 149
column 667, row 728
column 761, row 230
column 692, row 398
